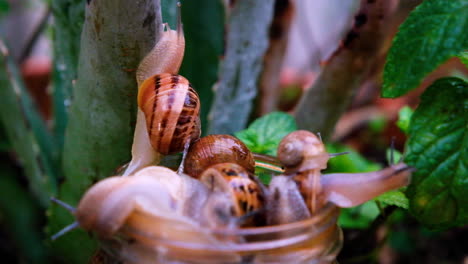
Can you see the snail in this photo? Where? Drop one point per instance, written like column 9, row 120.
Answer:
column 106, row 207
column 168, row 107
column 214, row 149
column 154, row 196
column 303, row 156
column 246, row 192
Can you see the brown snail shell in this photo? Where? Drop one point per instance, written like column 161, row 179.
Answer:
column 171, row 108
column 214, row 149
column 232, row 178
column 302, row 150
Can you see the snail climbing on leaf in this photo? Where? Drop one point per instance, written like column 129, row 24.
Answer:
column 168, row 107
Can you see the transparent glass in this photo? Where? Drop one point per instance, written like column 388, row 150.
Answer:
column 315, row 240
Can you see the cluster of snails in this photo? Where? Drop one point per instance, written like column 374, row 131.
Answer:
column 215, row 186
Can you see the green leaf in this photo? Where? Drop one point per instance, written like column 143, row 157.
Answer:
column 395, row 197
column 4, row 7
column 351, row 162
column 26, row 130
column 438, row 148
column 20, row 214
column 265, row 133
column 463, row 56
column 404, row 117
column 435, row 31
column 67, row 27
column 360, row 216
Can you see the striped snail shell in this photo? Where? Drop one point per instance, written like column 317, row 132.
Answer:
column 234, row 179
column 159, row 111
column 214, row 149
column 171, row 108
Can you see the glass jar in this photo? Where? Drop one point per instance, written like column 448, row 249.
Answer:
column 314, row 240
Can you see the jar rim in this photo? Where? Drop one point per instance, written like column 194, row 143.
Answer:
column 267, row 238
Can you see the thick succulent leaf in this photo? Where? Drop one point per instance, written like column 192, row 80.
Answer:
column 26, row 130
column 264, row 134
column 68, row 22
column 247, row 41
column 438, row 148
column 116, row 35
column 20, row 213
column 435, row 31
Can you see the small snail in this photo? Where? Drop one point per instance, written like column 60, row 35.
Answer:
column 235, row 180
column 154, row 197
column 214, row 149
column 107, row 205
column 168, row 107
column 304, row 156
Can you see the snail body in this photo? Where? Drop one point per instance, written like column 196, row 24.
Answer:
column 106, row 206
column 214, row 149
column 303, row 156
column 168, row 107
column 352, row 189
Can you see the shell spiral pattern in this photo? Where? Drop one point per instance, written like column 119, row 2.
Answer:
column 177, row 106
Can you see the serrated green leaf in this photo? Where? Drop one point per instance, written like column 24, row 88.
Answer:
column 438, row 148
column 404, row 117
column 265, row 133
column 435, row 31
column 395, row 197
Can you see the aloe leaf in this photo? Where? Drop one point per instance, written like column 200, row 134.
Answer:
column 247, row 41
column 68, row 22
column 20, row 216
column 26, row 130
column 116, row 35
